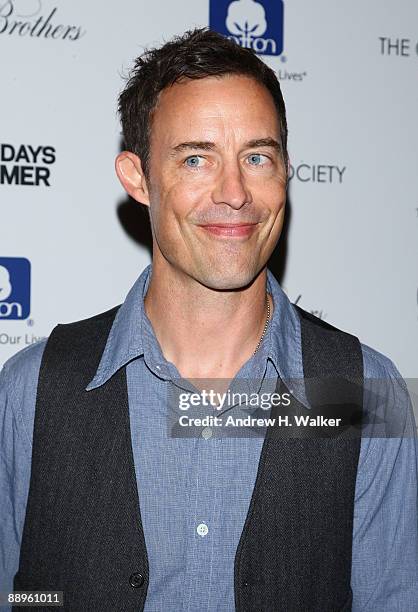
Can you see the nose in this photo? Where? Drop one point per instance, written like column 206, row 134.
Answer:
column 231, row 188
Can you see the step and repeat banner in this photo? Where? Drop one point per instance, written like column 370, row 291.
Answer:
column 72, row 244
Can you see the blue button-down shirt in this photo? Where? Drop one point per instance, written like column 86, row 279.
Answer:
column 195, row 491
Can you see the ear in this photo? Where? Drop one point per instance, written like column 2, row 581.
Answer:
column 130, row 173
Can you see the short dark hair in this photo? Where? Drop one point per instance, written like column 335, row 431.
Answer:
column 197, row 54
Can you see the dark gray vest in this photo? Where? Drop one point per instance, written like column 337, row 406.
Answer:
column 83, row 533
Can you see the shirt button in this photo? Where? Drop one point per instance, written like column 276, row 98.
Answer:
column 158, row 367
column 136, row 580
column 206, row 433
column 202, row 529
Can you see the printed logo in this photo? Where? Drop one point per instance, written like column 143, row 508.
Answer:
column 26, row 164
column 14, row 288
column 317, row 173
column 26, row 18
column 253, row 24
column 399, row 47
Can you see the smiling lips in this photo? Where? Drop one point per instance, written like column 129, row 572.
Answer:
column 230, row 230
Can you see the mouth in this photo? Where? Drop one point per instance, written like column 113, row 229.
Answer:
column 230, row 230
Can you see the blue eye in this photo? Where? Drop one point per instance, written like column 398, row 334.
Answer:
column 193, row 161
column 257, row 159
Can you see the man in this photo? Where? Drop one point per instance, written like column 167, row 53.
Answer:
column 107, row 503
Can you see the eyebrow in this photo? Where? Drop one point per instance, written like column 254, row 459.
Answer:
column 206, row 145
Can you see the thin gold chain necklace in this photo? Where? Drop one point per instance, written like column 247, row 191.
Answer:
column 265, row 326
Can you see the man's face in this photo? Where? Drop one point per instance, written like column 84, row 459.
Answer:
column 214, row 160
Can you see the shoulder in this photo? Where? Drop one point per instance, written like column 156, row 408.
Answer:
column 328, row 351
column 23, row 366
column 317, row 322
column 318, row 330
column 26, row 362
column 385, row 388
column 378, row 365
column 18, row 385
column 70, row 338
column 390, row 434
column 101, row 317
column 386, row 393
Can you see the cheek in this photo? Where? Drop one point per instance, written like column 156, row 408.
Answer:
column 173, row 202
column 271, row 195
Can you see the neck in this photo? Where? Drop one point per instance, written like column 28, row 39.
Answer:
column 206, row 333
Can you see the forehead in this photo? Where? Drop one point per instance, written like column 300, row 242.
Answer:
column 213, row 106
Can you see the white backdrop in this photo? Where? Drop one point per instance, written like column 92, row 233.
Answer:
column 349, row 78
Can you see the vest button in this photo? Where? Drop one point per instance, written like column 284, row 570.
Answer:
column 136, row 580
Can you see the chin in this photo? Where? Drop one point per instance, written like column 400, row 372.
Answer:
column 227, row 279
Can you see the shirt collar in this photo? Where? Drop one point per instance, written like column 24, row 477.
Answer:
column 131, row 329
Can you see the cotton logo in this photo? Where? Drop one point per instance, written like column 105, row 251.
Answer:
column 256, row 25
column 14, row 288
